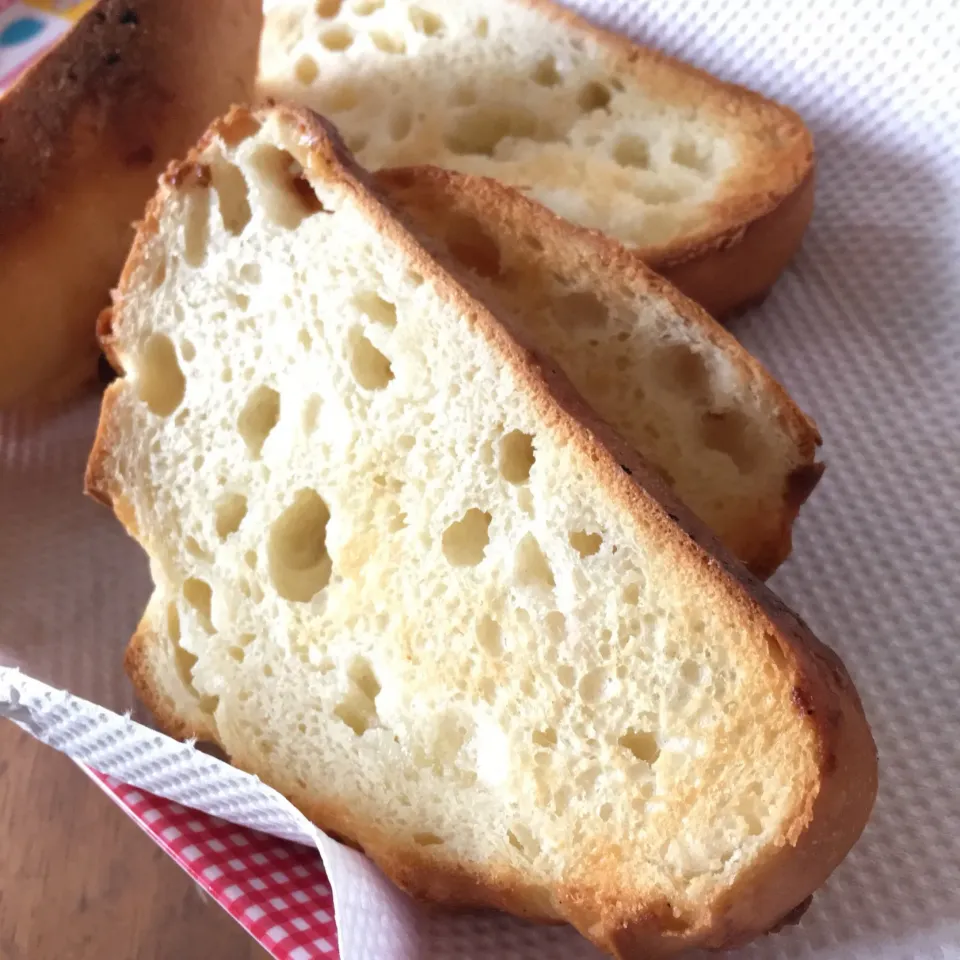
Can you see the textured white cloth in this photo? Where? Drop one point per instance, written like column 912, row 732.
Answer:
column 864, row 331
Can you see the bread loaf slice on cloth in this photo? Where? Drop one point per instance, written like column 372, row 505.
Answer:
column 677, row 387
column 708, row 183
column 406, row 576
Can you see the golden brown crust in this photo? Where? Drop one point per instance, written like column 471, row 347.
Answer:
column 839, row 786
column 736, row 269
column 83, row 134
column 508, row 213
column 147, row 662
column 753, row 228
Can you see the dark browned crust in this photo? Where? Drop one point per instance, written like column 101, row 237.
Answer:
column 753, row 229
column 504, row 211
column 83, row 134
column 839, row 788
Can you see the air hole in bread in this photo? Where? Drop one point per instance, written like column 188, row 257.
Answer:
column 427, row 840
column 208, row 704
column 691, row 672
column 159, row 273
column 160, row 381
column 471, row 245
column 196, row 231
column 593, row 96
column 288, row 198
column 592, row 685
column 250, row 273
column 656, row 193
column 401, row 124
column 192, row 546
column 489, row 636
column 730, row 432
column 362, row 674
column 605, row 812
column 777, row 658
column 304, row 338
column 632, row 151
column 531, row 567
column 687, row 154
column 479, row 130
column 586, row 544
column 533, row 242
column 327, row 9
column 344, row 96
column 387, row 42
column 238, row 651
column 297, row 557
column 545, row 73
column 377, row 309
column 545, row 738
column 556, row 624
column 522, row 839
column 199, row 595
column 566, row 676
column 642, row 744
column 258, row 418
column 581, row 309
column 481, row 28
column 516, row 457
column 363, row 8
column 750, row 808
column 684, row 369
column 358, row 709
column 187, row 350
column 463, row 95
column 426, row 22
column 337, row 39
column 306, row 70
column 466, row 539
column 356, row 140
column 184, row 660
column 370, row 368
column 229, row 512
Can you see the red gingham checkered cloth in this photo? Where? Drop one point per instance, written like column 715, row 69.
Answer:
column 277, row 890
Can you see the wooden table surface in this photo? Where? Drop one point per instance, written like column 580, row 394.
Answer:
column 79, row 881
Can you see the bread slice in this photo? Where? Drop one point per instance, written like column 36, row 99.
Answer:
column 404, row 575
column 675, row 385
column 84, row 134
column 708, row 183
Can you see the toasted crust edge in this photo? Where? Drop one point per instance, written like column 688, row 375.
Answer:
column 840, row 791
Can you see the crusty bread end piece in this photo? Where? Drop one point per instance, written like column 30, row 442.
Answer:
column 84, row 133
column 676, row 386
column 405, row 575
column 710, row 184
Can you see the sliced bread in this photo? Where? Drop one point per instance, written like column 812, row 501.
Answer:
column 84, row 133
column 405, row 575
column 674, row 384
column 710, row 184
